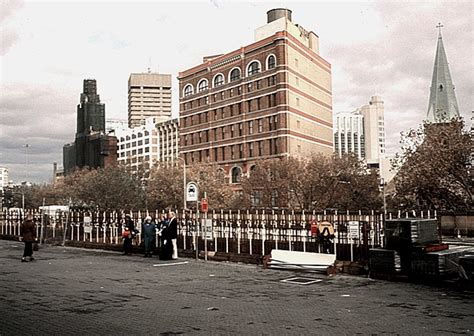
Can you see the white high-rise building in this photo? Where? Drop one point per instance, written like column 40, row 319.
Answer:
column 3, row 177
column 349, row 134
column 149, row 95
column 362, row 132
column 374, row 130
column 148, row 144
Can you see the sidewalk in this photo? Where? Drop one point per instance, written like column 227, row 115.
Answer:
column 71, row 291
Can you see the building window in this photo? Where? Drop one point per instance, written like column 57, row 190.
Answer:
column 258, row 84
column 235, row 74
column 272, row 100
column 240, row 129
column 251, row 127
column 260, row 125
column 236, row 174
column 259, row 101
column 215, row 154
column 188, row 90
column 239, row 90
column 253, row 68
column 251, row 149
column 232, row 131
column 249, row 87
column 203, row 85
column 218, row 80
column 223, row 132
column 260, row 148
column 241, row 151
column 271, row 62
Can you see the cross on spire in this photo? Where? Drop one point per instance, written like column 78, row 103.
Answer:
column 439, row 26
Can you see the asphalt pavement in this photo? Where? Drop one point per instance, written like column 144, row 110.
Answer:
column 71, row 291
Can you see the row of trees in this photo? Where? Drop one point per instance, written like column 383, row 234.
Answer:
column 319, row 182
column 434, row 172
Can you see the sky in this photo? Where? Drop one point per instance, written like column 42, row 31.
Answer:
column 47, row 49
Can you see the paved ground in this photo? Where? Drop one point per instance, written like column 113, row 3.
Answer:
column 69, row 291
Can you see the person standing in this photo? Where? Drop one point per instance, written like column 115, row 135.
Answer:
column 149, row 234
column 165, row 251
column 127, row 235
column 28, row 232
column 173, row 234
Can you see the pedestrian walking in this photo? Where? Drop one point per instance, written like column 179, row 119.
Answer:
column 173, row 233
column 128, row 235
column 149, row 235
column 28, row 234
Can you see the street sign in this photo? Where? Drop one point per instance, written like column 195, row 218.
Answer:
column 191, row 192
column 204, row 205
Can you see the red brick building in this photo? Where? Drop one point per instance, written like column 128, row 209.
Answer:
column 269, row 99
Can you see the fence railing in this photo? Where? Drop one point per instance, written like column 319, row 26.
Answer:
column 238, row 232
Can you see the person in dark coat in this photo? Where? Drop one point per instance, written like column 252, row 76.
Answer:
column 28, row 232
column 173, row 234
column 149, row 234
column 128, row 235
column 166, row 247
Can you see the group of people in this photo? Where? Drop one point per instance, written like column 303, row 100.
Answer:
column 166, row 228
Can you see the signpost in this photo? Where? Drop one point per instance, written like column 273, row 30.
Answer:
column 207, row 223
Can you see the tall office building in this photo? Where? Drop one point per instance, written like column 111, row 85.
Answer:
column 349, row 134
column 149, row 95
column 91, row 148
column 374, row 130
column 442, row 106
column 269, row 99
column 362, row 132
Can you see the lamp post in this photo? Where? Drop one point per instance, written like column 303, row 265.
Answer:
column 26, row 159
column 184, row 181
column 382, row 184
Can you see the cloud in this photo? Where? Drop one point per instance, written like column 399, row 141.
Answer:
column 42, row 117
column 8, row 37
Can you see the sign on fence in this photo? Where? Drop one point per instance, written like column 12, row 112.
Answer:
column 207, row 228
column 353, row 230
column 87, row 224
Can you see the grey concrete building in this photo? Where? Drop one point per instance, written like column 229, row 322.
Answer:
column 149, row 95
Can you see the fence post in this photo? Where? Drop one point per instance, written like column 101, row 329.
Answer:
column 262, row 233
column 238, row 230
column 250, row 230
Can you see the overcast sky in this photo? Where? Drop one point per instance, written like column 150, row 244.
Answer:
column 47, row 49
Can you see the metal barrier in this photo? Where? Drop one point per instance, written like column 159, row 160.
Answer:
column 238, row 232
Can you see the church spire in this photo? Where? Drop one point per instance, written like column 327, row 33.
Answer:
column 442, row 105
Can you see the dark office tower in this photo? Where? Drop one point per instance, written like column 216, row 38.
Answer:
column 92, row 147
column 90, row 111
